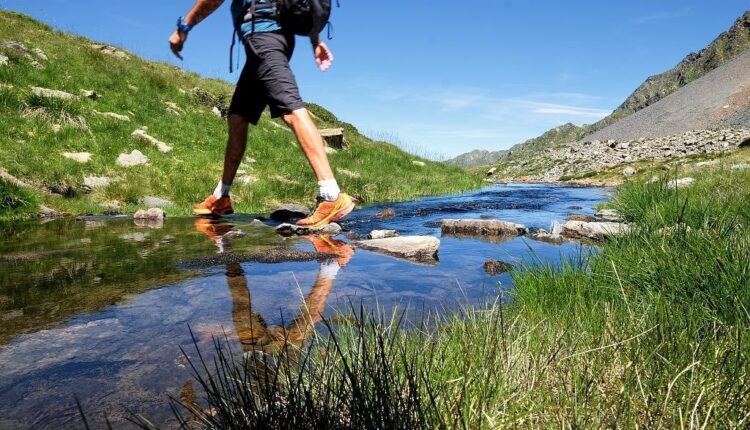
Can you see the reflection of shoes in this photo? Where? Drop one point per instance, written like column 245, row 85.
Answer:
column 214, row 206
column 214, row 230
column 329, row 211
column 325, row 245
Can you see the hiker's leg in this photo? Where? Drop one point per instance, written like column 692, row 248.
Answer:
column 310, row 141
column 236, row 144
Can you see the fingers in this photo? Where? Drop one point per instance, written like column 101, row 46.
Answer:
column 176, row 43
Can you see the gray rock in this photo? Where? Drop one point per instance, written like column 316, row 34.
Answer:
column 543, row 236
column 680, row 183
column 110, row 50
column 90, row 94
column 152, row 213
column 610, row 215
column 556, row 228
column 80, row 157
column 334, row 138
column 135, row 158
column 93, row 182
column 141, row 135
column 4, row 61
column 40, row 54
column 418, row 163
column 290, row 213
column 382, row 234
column 741, row 166
column 422, row 249
column 593, row 230
column 113, row 115
column 54, row 94
column 481, row 227
column 156, row 202
column 629, row 171
column 293, row 229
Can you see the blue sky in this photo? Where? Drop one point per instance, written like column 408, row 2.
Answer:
column 442, row 81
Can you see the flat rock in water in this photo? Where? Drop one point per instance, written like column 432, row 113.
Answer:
column 135, row 158
column 293, row 229
column 593, row 230
column 290, row 213
column 382, row 234
column 153, row 213
column 579, row 217
column 423, row 249
column 482, row 227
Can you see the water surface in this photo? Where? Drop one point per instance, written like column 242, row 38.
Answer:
column 99, row 309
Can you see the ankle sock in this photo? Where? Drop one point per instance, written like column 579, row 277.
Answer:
column 221, row 190
column 329, row 189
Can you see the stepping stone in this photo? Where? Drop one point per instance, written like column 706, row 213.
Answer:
column 382, row 234
column 290, row 213
column 482, row 227
column 593, row 230
column 610, row 215
column 293, row 229
column 422, row 249
column 153, row 213
column 135, row 158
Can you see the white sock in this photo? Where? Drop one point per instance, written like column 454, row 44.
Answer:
column 221, row 190
column 329, row 270
column 329, row 189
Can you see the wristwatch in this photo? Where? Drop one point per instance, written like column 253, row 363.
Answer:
column 183, row 26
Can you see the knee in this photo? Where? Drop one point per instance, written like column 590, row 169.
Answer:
column 295, row 118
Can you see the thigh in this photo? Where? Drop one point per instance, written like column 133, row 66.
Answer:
column 249, row 99
column 271, row 53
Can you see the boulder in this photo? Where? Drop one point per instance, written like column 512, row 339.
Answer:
column 80, row 157
column 110, row 50
column 334, row 138
column 423, row 249
column 578, row 217
column 418, row 163
column 679, row 183
column 53, row 94
column 217, row 112
column 141, row 135
column 151, row 214
column 382, row 234
column 629, row 171
column 40, row 54
column 135, row 158
column 290, row 213
column 90, row 94
column 480, row 227
column 4, row 61
column 293, row 229
column 541, row 235
column 496, row 267
column 491, row 171
column 593, row 230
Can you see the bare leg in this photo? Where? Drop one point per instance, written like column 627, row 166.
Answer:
column 236, row 145
column 312, row 144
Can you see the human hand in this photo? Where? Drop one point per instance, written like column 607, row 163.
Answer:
column 323, row 56
column 176, row 42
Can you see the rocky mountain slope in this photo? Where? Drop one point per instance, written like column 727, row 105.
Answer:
column 726, row 47
column 91, row 128
column 477, row 157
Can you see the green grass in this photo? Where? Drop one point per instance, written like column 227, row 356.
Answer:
column 15, row 202
column 30, row 149
column 650, row 332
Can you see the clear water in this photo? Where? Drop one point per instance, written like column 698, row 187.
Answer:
column 98, row 309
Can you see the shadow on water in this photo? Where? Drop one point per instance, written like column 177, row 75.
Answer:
column 100, row 309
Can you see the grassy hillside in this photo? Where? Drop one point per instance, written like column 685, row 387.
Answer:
column 37, row 131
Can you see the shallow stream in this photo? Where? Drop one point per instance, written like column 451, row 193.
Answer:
column 99, row 308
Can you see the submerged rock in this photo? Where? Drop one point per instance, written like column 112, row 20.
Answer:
column 293, row 229
column 152, row 214
column 385, row 213
column 593, row 230
column 496, row 267
column 480, row 227
column 423, row 249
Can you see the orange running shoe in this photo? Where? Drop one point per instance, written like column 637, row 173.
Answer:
column 214, row 207
column 327, row 212
column 326, row 245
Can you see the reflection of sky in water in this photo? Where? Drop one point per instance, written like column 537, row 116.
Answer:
column 127, row 354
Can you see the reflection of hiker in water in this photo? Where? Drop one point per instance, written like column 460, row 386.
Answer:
column 252, row 331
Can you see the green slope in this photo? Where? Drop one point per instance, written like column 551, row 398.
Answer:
column 36, row 131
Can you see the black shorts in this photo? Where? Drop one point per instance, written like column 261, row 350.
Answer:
column 266, row 79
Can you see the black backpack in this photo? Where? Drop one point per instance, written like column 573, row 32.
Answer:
column 302, row 17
